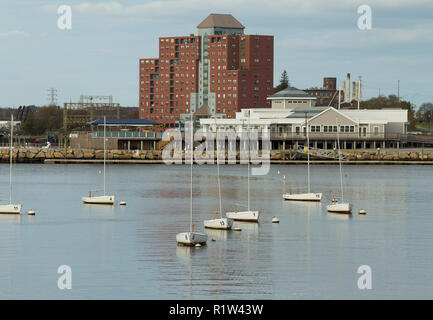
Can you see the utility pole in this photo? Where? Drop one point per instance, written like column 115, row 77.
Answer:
column 398, row 90
column 359, row 91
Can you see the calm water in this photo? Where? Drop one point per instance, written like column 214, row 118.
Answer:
column 130, row 252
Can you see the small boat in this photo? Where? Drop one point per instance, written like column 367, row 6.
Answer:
column 247, row 216
column 191, row 238
column 10, row 208
column 302, row 196
column 339, row 207
column 104, row 199
column 219, row 223
column 98, row 199
column 308, row 196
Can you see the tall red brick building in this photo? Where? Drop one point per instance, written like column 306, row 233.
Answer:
column 219, row 67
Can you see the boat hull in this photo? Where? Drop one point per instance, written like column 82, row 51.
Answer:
column 10, row 209
column 220, row 223
column 191, row 238
column 303, row 197
column 249, row 216
column 339, row 207
column 98, row 200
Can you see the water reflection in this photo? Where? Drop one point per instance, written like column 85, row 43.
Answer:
column 131, row 252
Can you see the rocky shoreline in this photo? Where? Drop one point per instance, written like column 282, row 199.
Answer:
column 36, row 155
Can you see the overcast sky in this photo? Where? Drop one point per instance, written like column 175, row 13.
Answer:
column 313, row 39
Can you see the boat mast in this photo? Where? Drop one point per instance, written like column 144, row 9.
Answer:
column 192, row 149
column 249, row 154
column 10, row 159
column 308, row 152
column 105, row 120
column 218, row 169
column 339, row 162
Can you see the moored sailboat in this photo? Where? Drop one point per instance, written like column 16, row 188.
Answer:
column 11, row 208
column 309, row 196
column 191, row 238
column 339, row 207
column 223, row 223
column 248, row 215
column 104, row 199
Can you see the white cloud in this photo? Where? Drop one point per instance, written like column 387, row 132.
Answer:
column 169, row 8
column 14, row 34
column 354, row 38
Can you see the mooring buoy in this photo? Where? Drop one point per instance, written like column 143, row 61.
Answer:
column 275, row 220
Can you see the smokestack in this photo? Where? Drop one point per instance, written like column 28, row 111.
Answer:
column 347, row 93
column 355, row 91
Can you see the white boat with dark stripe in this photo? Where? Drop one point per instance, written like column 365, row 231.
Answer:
column 10, row 208
column 339, row 207
column 104, row 199
column 191, row 238
column 308, row 196
column 248, row 215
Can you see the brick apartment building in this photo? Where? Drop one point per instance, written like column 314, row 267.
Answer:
column 328, row 94
column 220, row 67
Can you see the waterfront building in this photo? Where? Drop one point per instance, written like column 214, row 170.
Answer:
column 219, row 66
column 121, row 134
column 287, row 120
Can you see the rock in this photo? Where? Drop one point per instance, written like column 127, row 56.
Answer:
column 99, row 154
column 88, row 154
column 59, row 154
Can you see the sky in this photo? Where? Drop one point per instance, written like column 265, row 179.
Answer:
column 312, row 39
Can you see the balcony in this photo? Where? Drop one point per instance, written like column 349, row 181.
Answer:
column 128, row 135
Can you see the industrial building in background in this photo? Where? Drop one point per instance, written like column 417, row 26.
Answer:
column 328, row 94
column 219, row 67
column 78, row 114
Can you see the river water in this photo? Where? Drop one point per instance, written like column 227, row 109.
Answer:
column 130, row 252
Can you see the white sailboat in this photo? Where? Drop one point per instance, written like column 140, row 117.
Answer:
column 223, row 223
column 104, row 199
column 340, row 207
column 249, row 215
column 10, row 208
column 191, row 238
column 309, row 196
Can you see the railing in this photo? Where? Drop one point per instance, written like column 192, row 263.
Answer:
column 127, row 134
column 327, row 135
column 321, row 153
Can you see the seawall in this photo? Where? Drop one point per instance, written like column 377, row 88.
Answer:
column 37, row 155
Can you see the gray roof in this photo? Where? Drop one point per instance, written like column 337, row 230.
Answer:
column 215, row 20
column 300, row 113
column 291, row 92
column 120, row 122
